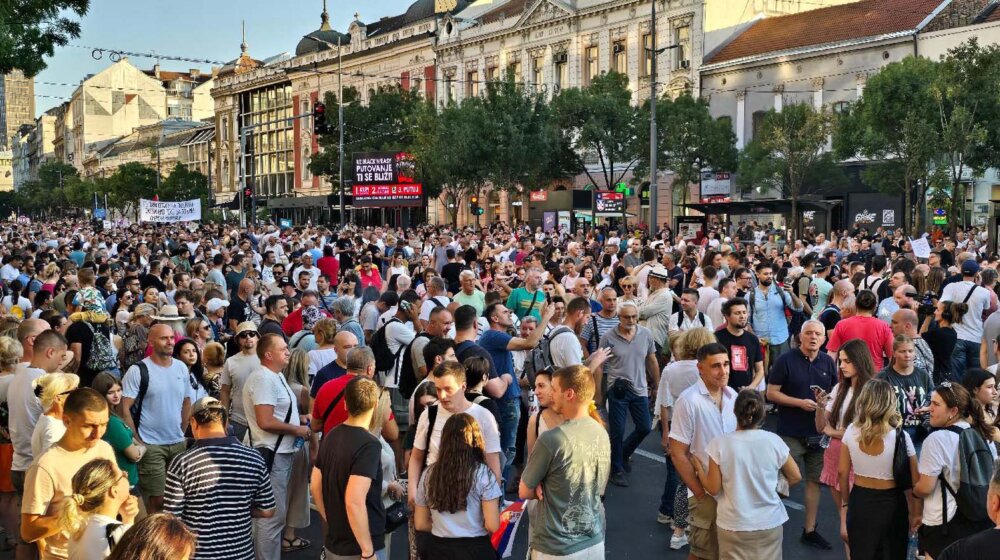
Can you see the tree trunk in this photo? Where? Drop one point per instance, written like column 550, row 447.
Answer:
column 795, row 216
column 957, row 211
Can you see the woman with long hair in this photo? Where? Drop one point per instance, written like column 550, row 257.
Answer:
column 297, row 517
column 953, row 412
column 392, row 490
column 51, row 390
column 458, row 497
column 982, row 385
column 942, row 338
column 186, row 350
column 877, row 513
column 198, row 330
column 213, row 358
column 157, row 537
column 913, row 387
column 750, row 516
column 128, row 450
column 89, row 515
column 837, row 410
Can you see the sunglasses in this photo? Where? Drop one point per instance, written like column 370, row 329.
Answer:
column 248, row 335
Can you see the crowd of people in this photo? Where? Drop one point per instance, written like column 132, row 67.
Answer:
column 197, row 391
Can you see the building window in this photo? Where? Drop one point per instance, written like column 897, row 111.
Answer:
column 449, row 89
column 840, row 108
column 682, row 38
column 537, row 72
column 619, row 57
column 757, row 122
column 647, row 54
column 493, row 73
column 592, row 63
column 514, row 69
column 562, row 71
column 416, row 87
column 472, row 84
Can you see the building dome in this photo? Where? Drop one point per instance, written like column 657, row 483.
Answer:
column 317, row 40
column 423, row 9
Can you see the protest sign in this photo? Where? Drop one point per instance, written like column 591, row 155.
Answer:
column 921, row 248
column 169, row 212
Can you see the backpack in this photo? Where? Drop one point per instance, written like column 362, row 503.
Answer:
column 540, row 357
column 385, row 360
column 136, row 409
column 680, row 318
column 101, row 356
column 975, row 469
column 408, row 373
column 752, row 300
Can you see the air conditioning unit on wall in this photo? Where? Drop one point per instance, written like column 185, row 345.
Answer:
column 559, row 58
column 685, row 64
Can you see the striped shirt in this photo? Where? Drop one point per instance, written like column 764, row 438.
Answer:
column 603, row 326
column 213, row 487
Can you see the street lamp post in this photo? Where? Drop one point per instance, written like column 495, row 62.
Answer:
column 653, row 219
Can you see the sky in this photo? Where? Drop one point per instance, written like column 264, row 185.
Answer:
column 202, row 29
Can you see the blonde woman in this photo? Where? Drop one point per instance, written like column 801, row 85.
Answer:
column 51, row 390
column 876, row 523
column 100, row 495
column 214, row 358
column 296, row 374
column 392, row 490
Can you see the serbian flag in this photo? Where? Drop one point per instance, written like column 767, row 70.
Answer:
column 503, row 538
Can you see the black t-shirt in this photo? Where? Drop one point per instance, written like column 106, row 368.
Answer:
column 450, row 274
column 830, row 316
column 80, row 333
column 980, row 546
column 744, row 354
column 346, row 259
column 941, row 341
column 347, row 451
column 468, row 348
column 270, row 326
column 238, row 310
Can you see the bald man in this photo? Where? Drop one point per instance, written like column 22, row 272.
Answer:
column 239, row 308
column 902, row 298
column 905, row 321
column 343, row 342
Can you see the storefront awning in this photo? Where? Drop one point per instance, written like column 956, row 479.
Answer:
column 774, row 206
column 589, row 216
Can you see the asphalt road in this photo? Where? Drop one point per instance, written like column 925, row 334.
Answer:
column 632, row 532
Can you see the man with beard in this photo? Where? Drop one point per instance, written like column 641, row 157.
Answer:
column 746, row 361
column 767, row 312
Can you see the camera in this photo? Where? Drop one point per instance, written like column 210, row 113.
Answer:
column 927, row 303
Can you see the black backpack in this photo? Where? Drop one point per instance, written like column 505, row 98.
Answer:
column 975, row 469
column 385, row 360
column 136, row 409
column 680, row 318
column 408, row 373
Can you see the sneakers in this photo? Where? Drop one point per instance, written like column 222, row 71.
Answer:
column 618, row 479
column 627, row 465
column 815, row 540
column 678, row 542
column 664, row 519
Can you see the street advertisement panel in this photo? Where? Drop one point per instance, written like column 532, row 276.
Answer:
column 383, row 168
column 874, row 210
column 564, row 220
column 169, row 212
column 382, row 196
column 539, row 196
column 716, row 184
column 689, row 226
column 548, row 222
column 608, row 201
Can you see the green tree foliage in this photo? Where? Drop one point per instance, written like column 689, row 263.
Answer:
column 57, row 189
column 600, row 122
column 31, row 29
column 129, row 183
column 184, row 184
column 689, row 141
column 789, row 153
column 895, row 120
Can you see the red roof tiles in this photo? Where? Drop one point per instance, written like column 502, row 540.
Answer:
column 868, row 18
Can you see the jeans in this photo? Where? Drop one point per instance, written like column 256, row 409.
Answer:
column 510, row 415
column 267, row 531
column 638, row 408
column 669, row 489
column 965, row 356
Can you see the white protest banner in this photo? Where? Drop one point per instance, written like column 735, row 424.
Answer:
column 156, row 211
column 921, row 248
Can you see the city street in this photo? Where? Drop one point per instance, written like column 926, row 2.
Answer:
column 633, row 533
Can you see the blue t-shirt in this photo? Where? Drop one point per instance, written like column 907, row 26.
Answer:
column 495, row 342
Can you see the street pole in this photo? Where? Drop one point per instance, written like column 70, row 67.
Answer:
column 653, row 221
column 340, row 124
column 243, row 175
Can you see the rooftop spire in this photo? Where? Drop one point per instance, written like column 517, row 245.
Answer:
column 325, row 18
column 243, row 45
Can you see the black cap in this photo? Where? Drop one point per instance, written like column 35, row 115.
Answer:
column 822, row 264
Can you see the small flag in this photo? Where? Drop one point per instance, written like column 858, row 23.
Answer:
column 503, row 538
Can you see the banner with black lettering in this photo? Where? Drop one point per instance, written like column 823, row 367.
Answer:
column 169, row 212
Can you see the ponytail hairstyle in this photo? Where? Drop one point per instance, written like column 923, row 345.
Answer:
column 954, row 311
column 956, row 396
column 90, row 487
column 51, row 386
column 861, row 358
column 897, row 342
column 749, row 410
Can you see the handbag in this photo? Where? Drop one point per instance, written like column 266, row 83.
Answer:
column 395, row 516
column 901, row 463
column 268, row 453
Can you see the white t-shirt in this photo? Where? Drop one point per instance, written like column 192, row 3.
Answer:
column 565, row 349
column 397, row 335
column 265, row 387
column 235, row 373
column 95, row 542
column 169, row 387
column 369, row 315
column 706, row 295
column 313, row 275
column 843, row 407
column 319, row 358
column 428, row 306
column 750, row 461
column 23, row 412
column 47, row 432
column 468, row 522
column 939, row 454
column 22, row 303
column 971, row 327
column 487, row 424
column 675, row 379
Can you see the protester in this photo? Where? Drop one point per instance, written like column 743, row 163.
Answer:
column 982, row 545
column 912, row 386
column 121, row 438
column 89, row 515
column 942, row 337
column 235, row 373
column 157, row 537
column 970, row 327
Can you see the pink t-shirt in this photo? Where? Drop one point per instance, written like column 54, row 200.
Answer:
column 876, row 334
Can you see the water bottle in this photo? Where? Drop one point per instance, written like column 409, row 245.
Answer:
column 911, row 548
column 299, row 442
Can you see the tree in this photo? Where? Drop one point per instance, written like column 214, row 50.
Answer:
column 895, row 121
column 451, row 151
column 790, row 152
column 47, row 193
column 184, row 184
column 600, row 121
column 130, row 182
column 31, row 29
column 967, row 95
column 689, row 141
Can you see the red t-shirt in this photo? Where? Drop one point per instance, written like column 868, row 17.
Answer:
column 329, row 266
column 876, row 334
column 324, row 398
column 372, row 278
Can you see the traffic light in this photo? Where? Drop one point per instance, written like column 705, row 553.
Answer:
column 248, row 194
column 319, row 118
column 474, row 205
